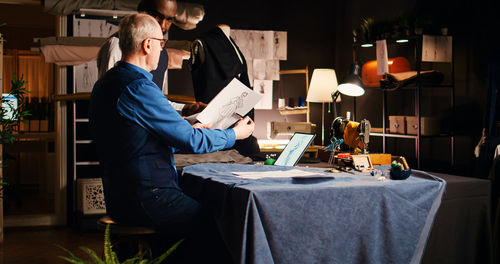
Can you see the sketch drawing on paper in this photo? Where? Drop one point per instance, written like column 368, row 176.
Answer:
column 231, row 106
column 228, row 105
column 265, row 88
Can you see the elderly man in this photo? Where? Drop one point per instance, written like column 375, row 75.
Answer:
column 164, row 12
column 136, row 131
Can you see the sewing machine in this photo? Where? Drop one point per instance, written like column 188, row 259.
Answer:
column 350, row 136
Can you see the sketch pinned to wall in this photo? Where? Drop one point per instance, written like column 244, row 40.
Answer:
column 250, row 71
column 262, row 51
column 110, row 29
column 266, row 69
column 263, row 45
column 86, row 73
column 265, row 88
column 97, row 28
column 81, row 28
column 259, row 69
column 244, row 41
column 280, row 41
column 85, row 76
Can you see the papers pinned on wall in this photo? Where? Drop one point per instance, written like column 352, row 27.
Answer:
column 262, row 49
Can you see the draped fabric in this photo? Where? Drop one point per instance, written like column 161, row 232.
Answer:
column 31, row 65
column 37, row 74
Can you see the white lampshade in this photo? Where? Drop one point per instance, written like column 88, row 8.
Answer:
column 351, row 89
column 323, row 84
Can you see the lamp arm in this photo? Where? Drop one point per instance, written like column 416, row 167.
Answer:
column 335, row 95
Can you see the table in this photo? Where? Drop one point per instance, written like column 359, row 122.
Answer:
column 462, row 231
column 349, row 219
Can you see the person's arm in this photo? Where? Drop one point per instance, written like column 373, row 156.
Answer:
column 145, row 105
column 109, row 54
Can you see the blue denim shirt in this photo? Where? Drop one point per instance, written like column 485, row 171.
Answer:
column 136, row 131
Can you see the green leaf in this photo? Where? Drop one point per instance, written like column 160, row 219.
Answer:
column 93, row 255
column 163, row 256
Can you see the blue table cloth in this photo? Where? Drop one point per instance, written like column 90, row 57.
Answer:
column 353, row 218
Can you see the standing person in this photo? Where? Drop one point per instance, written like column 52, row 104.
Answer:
column 136, row 131
column 164, row 12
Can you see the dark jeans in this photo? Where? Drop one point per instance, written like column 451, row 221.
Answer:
column 176, row 215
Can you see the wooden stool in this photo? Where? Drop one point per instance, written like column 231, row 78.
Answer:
column 127, row 240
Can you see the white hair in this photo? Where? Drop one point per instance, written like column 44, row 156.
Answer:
column 134, row 29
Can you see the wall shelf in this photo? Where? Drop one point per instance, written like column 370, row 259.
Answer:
column 415, row 45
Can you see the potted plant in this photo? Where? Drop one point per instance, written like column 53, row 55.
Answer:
column 110, row 257
column 11, row 114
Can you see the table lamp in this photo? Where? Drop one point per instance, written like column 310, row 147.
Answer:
column 323, row 85
column 351, row 86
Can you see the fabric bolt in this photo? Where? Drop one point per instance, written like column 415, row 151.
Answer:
column 349, row 219
column 136, row 131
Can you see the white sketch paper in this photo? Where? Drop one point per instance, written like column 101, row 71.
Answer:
column 81, row 27
column 382, row 59
column 280, row 41
column 259, row 69
column 244, row 41
column 110, row 29
column 437, row 48
column 250, row 71
column 265, row 88
column 228, row 105
column 85, row 76
column 266, row 69
column 263, row 45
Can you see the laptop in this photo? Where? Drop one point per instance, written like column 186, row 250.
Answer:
column 295, row 148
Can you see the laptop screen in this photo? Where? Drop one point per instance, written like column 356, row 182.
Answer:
column 294, row 150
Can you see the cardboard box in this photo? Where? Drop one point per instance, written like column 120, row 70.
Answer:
column 431, row 126
column 397, row 124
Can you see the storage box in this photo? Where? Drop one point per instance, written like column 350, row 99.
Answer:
column 397, row 124
column 90, row 196
column 430, row 126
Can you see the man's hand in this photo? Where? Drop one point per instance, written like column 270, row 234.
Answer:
column 244, row 128
column 191, row 109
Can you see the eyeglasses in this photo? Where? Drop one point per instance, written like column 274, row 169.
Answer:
column 162, row 41
column 160, row 17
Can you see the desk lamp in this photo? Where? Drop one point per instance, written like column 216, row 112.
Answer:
column 351, row 86
column 323, row 85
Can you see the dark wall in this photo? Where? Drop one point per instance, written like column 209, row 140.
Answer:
column 320, row 35
column 23, row 23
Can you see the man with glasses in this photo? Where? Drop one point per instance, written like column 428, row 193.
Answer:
column 136, row 132
column 164, row 12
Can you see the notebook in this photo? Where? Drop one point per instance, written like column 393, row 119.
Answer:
column 295, row 148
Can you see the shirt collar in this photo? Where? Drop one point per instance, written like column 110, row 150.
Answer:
column 146, row 74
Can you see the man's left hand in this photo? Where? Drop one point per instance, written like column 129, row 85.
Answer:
column 191, row 109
